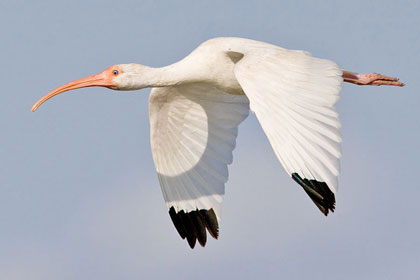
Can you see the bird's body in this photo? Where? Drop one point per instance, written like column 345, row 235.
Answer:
column 197, row 104
column 211, row 64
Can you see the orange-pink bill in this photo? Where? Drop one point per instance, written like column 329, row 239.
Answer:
column 104, row 79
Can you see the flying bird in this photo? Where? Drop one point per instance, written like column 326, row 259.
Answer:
column 196, row 105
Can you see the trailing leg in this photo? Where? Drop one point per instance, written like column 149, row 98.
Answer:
column 372, row 79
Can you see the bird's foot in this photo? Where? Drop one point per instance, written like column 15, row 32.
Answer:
column 373, row 79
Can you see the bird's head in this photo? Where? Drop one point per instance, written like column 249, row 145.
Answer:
column 117, row 77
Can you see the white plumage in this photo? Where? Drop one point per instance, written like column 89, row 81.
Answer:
column 197, row 104
column 194, row 125
column 293, row 97
column 193, row 132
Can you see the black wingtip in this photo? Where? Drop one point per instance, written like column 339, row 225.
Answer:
column 192, row 225
column 319, row 192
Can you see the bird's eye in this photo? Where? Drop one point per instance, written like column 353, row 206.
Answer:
column 115, row 72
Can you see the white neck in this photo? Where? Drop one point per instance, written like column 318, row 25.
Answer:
column 137, row 76
column 162, row 76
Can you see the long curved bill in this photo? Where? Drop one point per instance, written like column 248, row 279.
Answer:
column 101, row 79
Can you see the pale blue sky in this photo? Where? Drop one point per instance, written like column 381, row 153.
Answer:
column 79, row 196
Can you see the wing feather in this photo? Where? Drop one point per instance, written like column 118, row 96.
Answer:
column 193, row 134
column 293, row 96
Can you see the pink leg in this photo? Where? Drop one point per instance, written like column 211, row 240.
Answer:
column 373, row 79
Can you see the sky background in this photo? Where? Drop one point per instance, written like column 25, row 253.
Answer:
column 79, row 196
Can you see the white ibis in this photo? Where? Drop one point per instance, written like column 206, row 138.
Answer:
column 195, row 108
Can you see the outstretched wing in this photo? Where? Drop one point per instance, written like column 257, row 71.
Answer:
column 193, row 133
column 293, row 96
